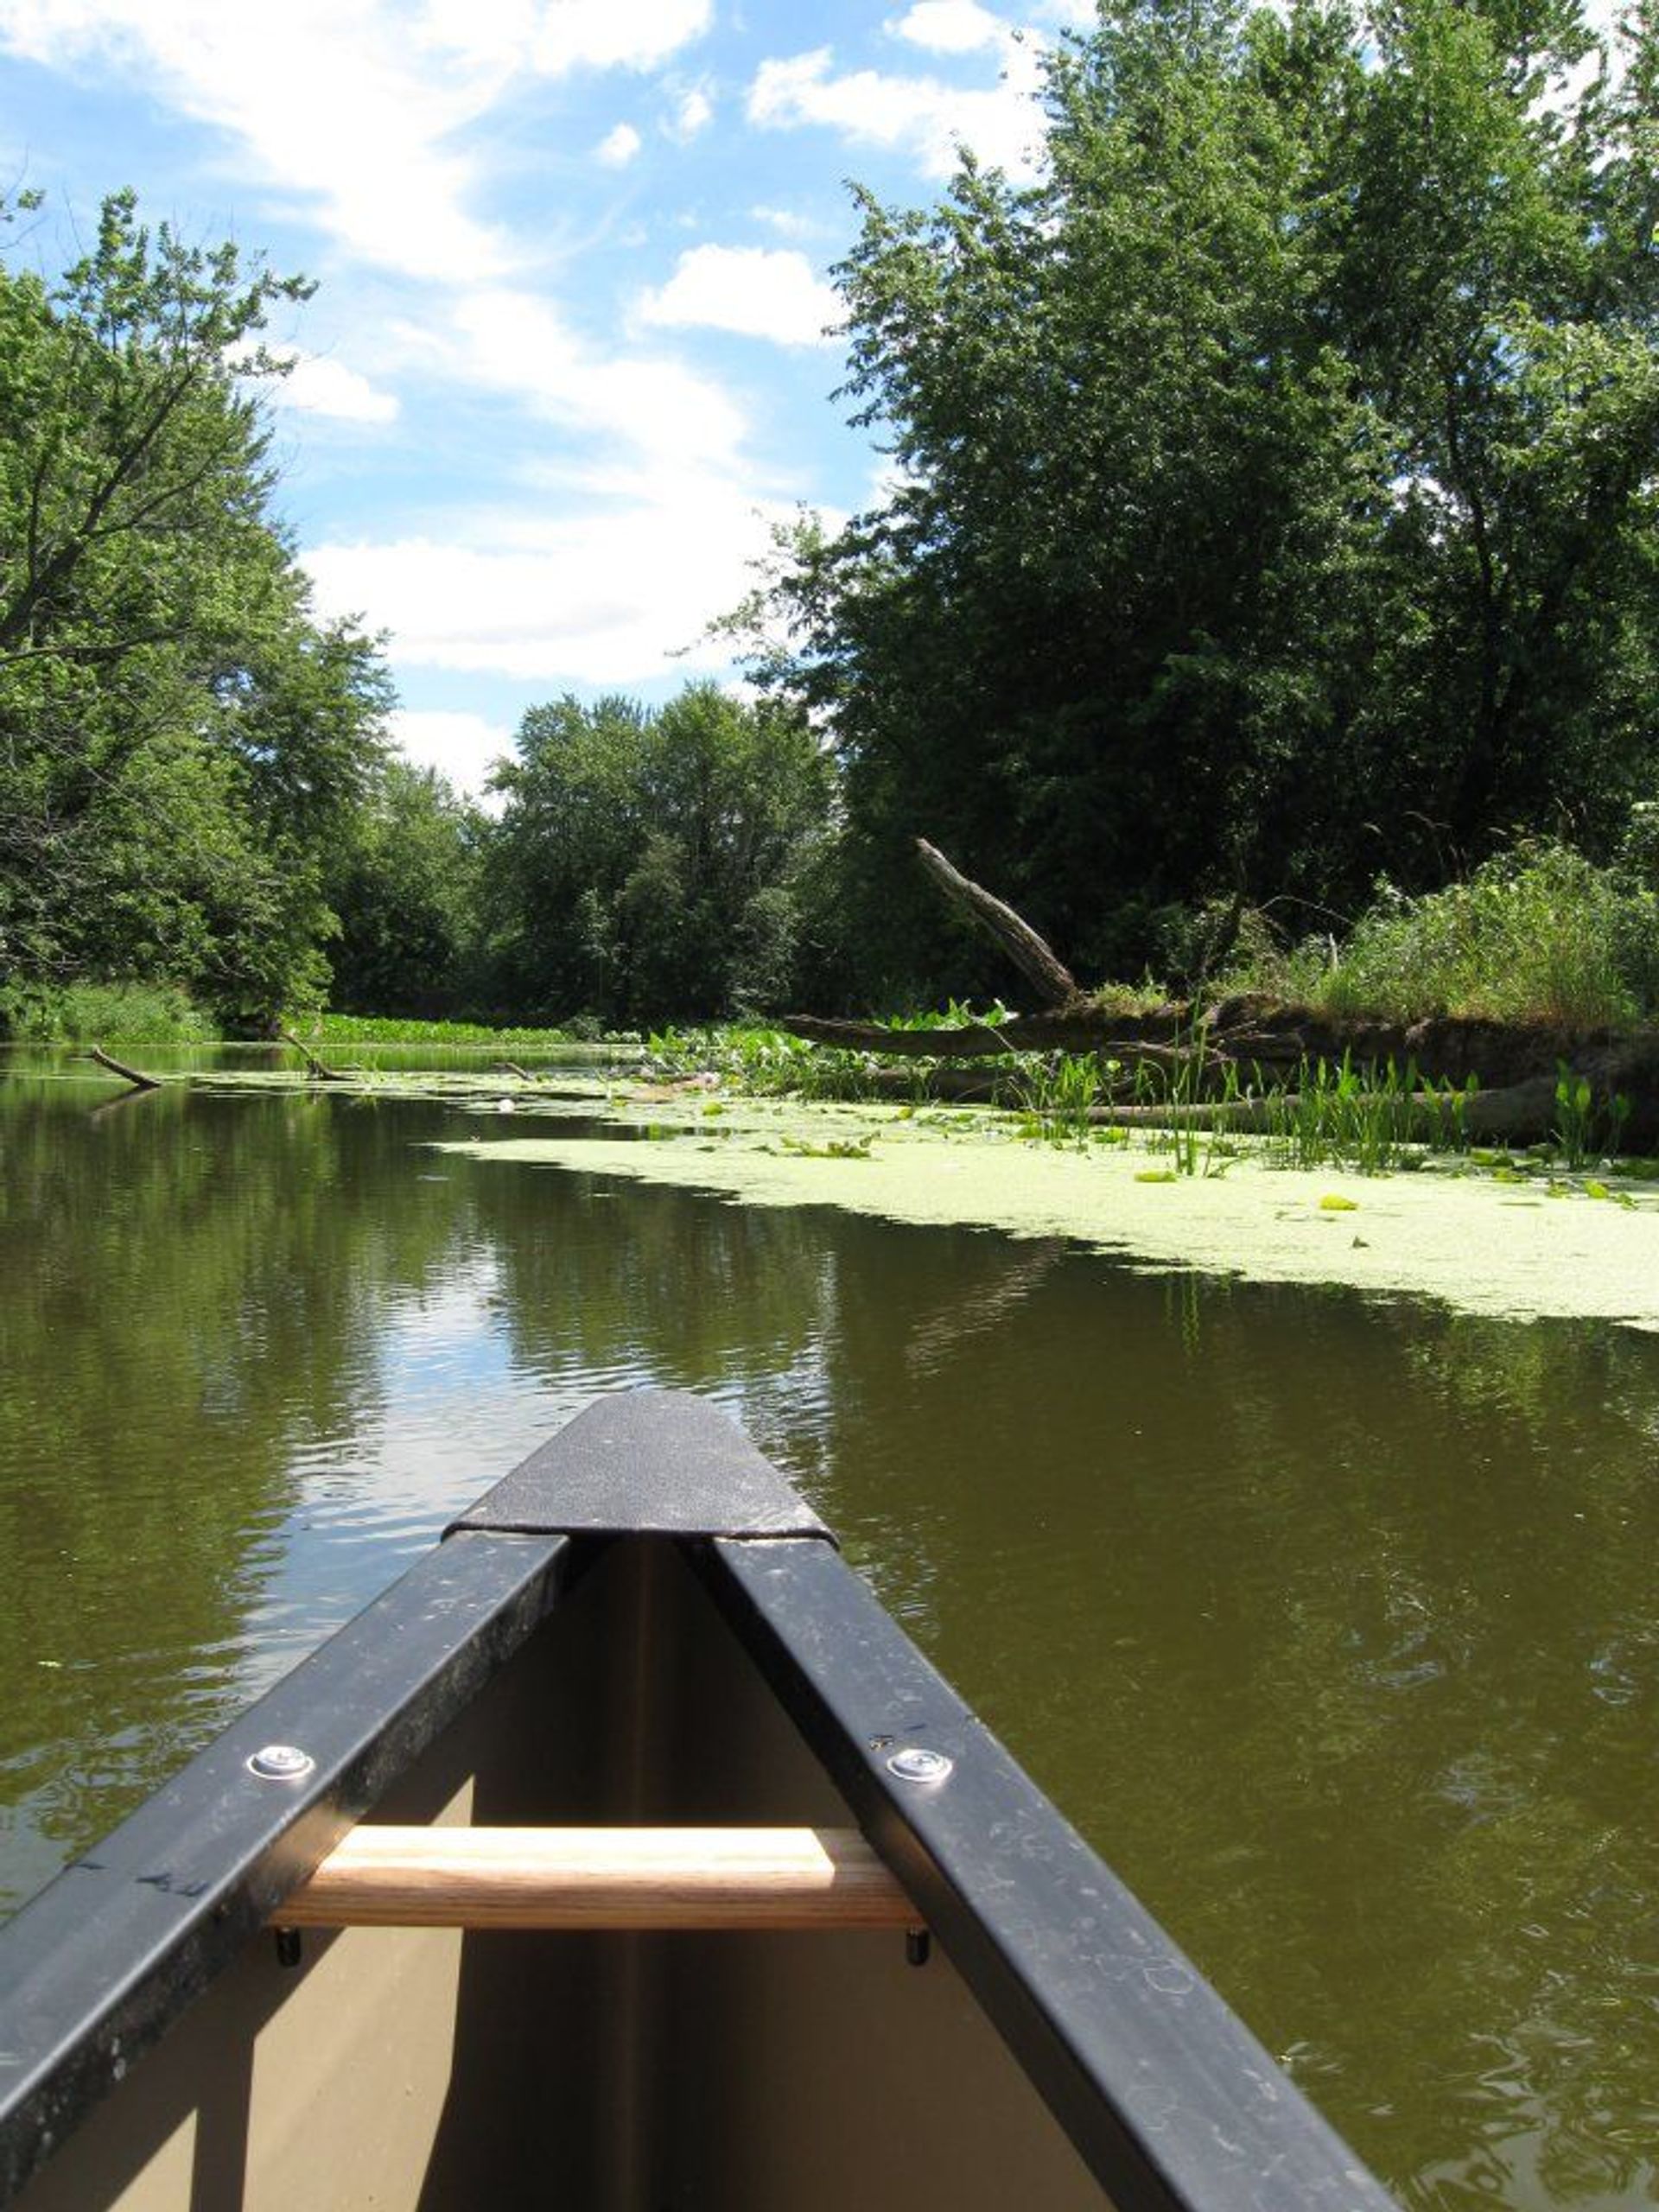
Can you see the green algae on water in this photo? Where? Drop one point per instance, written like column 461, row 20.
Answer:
column 1459, row 1239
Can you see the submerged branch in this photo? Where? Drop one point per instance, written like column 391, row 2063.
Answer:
column 134, row 1075
column 314, row 1066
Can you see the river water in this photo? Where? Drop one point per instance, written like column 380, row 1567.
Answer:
column 1332, row 1622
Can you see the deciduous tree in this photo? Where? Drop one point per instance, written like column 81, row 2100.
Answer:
column 1275, row 478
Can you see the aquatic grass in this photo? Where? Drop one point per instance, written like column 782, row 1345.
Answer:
column 1056, row 1095
column 396, row 1029
column 1181, row 1089
column 1570, row 1130
column 1376, row 1121
column 1583, row 1131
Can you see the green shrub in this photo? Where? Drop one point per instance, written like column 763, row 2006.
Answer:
column 1539, row 935
column 94, row 1014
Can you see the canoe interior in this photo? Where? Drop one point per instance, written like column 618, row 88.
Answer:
column 432, row 2071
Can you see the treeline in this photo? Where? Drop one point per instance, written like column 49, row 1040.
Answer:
column 1276, row 484
column 195, row 787
column 644, row 865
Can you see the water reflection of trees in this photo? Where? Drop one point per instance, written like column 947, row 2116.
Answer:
column 621, row 1283
column 192, row 1292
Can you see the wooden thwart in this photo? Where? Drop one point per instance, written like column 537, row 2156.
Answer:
column 600, row 1878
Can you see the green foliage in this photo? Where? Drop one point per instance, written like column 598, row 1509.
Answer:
column 179, row 742
column 1377, row 1124
column 831, row 1148
column 376, row 1029
column 1058, row 1092
column 1541, row 935
column 956, row 1015
column 1584, row 1127
column 404, row 885
column 1275, row 488
column 650, row 864
column 84, row 1014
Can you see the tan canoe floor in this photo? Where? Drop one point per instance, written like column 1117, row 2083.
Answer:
column 1542, row 1246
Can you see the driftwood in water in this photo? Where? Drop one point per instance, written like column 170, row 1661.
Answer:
column 512, row 1067
column 315, row 1067
column 134, row 1075
column 1251, row 1040
column 1518, row 1114
column 1036, row 961
column 1254, row 1032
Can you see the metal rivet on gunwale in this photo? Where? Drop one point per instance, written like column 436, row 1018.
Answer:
column 281, row 1763
column 917, row 1764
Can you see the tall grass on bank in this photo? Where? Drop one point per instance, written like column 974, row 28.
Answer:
column 1540, row 936
column 92, row 1014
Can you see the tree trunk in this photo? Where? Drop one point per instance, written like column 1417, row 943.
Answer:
column 1036, row 961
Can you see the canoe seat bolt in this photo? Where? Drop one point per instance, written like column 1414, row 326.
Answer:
column 918, row 1942
column 281, row 1763
column 288, row 1946
column 917, row 1764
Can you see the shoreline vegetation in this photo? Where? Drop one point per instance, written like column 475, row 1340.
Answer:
column 1261, row 595
column 1506, row 1010
column 1336, row 1184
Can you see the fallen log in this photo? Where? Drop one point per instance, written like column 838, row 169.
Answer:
column 1245, row 1032
column 1079, row 1029
column 134, row 1075
column 1247, row 1040
column 314, row 1066
column 1519, row 1114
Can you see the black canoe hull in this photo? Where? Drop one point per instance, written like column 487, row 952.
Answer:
column 1056, row 2050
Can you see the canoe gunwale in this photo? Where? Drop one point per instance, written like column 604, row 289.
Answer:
column 98, row 1966
column 1166, row 2094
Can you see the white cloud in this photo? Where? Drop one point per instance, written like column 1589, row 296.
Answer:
column 618, row 148
column 1002, row 125
column 758, row 291
column 950, row 26
column 513, row 342
column 339, row 102
column 327, row 100
column 606, row 33
column 784, row 221
column 606, row 597
column 317, row 385
column 460, row 746
column 693, row 112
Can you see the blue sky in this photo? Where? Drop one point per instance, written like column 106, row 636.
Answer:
column 566, row 363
